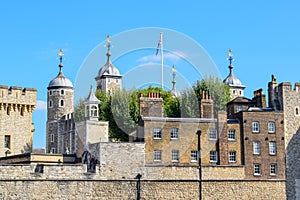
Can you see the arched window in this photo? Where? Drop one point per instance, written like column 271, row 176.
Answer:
column 296, row 111
column 62, row 103
column 50, row 103
column 94, row 111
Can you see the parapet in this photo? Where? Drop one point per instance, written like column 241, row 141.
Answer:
column 287, row 86
column 17, row 95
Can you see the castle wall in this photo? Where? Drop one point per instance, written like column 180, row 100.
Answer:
column 16, row 107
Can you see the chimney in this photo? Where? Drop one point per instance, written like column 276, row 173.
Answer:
column 259, row 98
column 206, row 106
column 151, row 106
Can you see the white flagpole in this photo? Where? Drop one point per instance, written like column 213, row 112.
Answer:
column 162, row 60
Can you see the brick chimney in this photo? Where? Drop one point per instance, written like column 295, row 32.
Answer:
column 259, row 98
column 151, row 106
column 206, row 105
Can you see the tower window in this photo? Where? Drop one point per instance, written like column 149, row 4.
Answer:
column 8, row 109
column 7, row 141
column 50, row 92
column 62, row 92
column 22, row 110
column 94, row 111
column 61, row 103
column 297, row 111
column 52, row 137
column 50, row 104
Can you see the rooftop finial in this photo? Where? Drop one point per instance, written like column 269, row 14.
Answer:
column 230, row 60
column 60, row 54
column 108, row 41
column 174, row 92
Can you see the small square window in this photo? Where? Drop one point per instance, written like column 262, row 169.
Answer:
column 213, row 134
column 255, row 127
column 157, row 133
column 232, row 156
column 174, row 133
column 175, row 156
column 257, row 169
column 62, row 92
column 273, row 169
column 271, row 127
column 194, row 156
column 157, row 155
column 213, row 156
column 231, row 135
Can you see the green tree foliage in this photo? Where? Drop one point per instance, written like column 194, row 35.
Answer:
column 217, row 89
column 79, row 111
column 189, row 104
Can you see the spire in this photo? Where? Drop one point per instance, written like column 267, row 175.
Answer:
column 108, row 45
column 91, row 98
column 60, row 54
column 230, row 60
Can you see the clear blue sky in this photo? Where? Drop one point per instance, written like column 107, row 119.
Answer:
column 264, row 36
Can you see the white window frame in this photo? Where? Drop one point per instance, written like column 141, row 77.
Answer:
column 231, row 133
column 255, row 127
column 271, row 127
column 273, row 169
column 157, row 155
column 157, row 133
column 62, row 92
column 256, row 147
column 175, row 156
column 232, row 156
column 213, row 156
column 194, row 156
column 61, row 100
column 257, row 169
column 174, row 134
column 272, row 148
column 213, row 134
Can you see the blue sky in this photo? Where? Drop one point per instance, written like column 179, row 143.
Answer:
column 264, row 37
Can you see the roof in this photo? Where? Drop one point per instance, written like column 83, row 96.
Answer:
column 91, row 98
column 233, row 81
column 240, row 99
column 188, row 120
column 108, row 69
column 60, row 81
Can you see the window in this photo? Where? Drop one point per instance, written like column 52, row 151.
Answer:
column 52, row 150
column 297, row 111
column 52, row 137
column 255, row 127
column 50, row 92
column 213, row 157
column 257, row 170
column 256, row 147
column 61, row 103
column 7, row 141
column 232, row 156
column 157, row 133
column 117, row 80
column 239, row 108
column 94, row 111
column 273, row 169
column 194, row 156
column 212, row 134
column 272, row 148
column 174, row 133
column 8, row 109
column 22, row 110
column 50, row 104
column 271, row 127
column 62, row 92
column 175, row 156
column 157, row 155
column 231, row 135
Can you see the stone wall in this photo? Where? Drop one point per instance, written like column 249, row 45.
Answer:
column 149, row 189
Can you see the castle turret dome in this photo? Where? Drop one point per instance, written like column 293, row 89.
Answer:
column 60, row 81
column 108, row 68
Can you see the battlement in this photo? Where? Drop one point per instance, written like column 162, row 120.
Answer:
column 17, row 95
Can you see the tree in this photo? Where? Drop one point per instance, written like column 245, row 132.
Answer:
column 79, row 111
column 189, row 104
column 217, row 89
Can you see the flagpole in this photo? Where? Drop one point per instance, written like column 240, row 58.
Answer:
column 162, row 60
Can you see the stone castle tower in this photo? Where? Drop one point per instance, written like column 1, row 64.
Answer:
column 16, row 127
column 60, row 100
column 283, row 97
column 108, row 78
column 236, row 86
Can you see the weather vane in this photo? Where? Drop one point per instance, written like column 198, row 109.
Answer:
column 60, row 54
column 230, row 57
column 108, row 41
